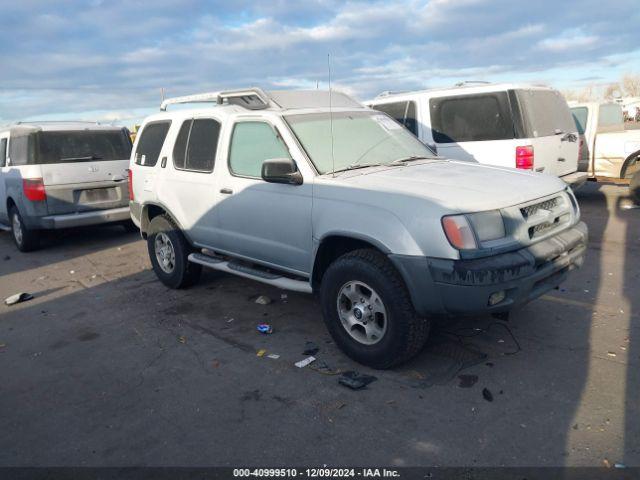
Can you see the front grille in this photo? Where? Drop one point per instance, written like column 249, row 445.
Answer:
column 531, row 210
column 546, row 216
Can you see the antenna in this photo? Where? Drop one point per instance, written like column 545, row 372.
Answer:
column 161, row 94
column 333, row 158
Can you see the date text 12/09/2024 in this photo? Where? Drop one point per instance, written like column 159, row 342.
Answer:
column 316, row 472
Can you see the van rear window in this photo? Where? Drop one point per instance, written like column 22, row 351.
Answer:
column 546, row 113
column 471, row 118
column 81, row 146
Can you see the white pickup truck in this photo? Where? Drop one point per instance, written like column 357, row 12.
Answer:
column 608, row 151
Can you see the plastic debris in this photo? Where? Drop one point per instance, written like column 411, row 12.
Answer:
column 487, row 395
column 274, row 356
column 182, row 339
column 467, row 381
column 620, row 465
column 265, row 328
column 606, row 463
column 230, row 320
column 355, row 380
column 18, row 298
column 310, row 348
column 72, row 272
column 261, row 352
column 263, row 300
column 322, row 367
column 611, row 354
column 305, row 362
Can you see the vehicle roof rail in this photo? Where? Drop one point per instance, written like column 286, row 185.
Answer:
column 388, row 93
column 27, row 122
column 249, row 98
column 471, row 82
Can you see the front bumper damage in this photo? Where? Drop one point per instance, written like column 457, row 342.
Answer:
column 459, row 287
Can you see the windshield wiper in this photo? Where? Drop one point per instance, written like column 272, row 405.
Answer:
column 409, row 159
column 87, row 158
column 356, row 166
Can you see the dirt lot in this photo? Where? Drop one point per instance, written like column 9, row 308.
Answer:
column 107, row 367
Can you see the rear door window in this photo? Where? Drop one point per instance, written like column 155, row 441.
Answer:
column 402, row 112
column 150, row 143
column 546, row 113
column 81, row 146
column 196, row 145
column 471, row 118
column 580, row 115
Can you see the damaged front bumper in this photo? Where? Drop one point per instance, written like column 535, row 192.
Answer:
column 459, row 287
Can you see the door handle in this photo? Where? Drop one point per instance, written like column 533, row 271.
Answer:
column 226, row 191
column 163, row 162
column 560, row 159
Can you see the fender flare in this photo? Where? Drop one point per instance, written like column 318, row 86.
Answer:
column 627, row 162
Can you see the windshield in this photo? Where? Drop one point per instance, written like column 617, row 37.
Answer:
column 82, row 146
column 359, row 139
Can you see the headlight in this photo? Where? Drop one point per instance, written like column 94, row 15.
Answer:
column 465, row 231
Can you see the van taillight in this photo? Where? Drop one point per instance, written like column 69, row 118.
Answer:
column 130, row 185
column 524, row 157
column 33, row 189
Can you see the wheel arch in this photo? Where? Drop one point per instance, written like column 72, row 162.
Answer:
column 149, row 212
column 627, row 162
column 334, row 245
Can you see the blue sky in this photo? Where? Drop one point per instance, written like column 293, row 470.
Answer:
column 108, row 59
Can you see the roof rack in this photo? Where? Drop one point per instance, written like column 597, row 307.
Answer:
column 250, row 98
column 388, row 93
column 28, row 122
column 471, row 82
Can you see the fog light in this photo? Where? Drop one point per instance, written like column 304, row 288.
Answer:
column 497, row 297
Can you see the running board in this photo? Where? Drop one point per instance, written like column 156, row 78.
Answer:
column 252, row 273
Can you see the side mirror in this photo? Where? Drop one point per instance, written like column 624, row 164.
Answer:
column 281, row 170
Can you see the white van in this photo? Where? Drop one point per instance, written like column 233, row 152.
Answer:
column 519, row 126
column 62, row 174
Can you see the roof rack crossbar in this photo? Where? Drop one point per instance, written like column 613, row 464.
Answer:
column 249, row 98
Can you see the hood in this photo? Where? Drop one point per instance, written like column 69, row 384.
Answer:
column 457, row 186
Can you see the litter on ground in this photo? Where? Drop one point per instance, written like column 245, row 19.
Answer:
column 17, row 298
column 263, row 300
column 487, row 395
column 310, row 348
column 355, row 380
column 275, row 356
column 261, row 352
column 305, row 362
column 265, row 328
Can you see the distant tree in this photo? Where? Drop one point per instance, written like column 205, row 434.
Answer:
column 584, row 95
column 612, row 91
column 631, row 85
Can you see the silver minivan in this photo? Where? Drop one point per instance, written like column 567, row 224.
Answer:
column 56, row 175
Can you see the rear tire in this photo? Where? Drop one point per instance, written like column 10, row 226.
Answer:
column 25, row 239
column 634, row 188
column 389, row 337
column 169, row 251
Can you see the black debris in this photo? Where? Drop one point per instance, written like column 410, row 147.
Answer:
column 487, row 395
column 310, row 348
column 467, row 381
column 7, row 257
column 355, row 380
column 489, row 364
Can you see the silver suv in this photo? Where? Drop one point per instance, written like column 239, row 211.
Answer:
column 311, row 191
column 62, row 174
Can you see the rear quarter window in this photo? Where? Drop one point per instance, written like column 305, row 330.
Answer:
column 610, row 115
column 471, row 118
column 150, row 143
column 546, row 113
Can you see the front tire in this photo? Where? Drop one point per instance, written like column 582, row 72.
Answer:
column 25, row 239
column 368, row 311
column 169, row 251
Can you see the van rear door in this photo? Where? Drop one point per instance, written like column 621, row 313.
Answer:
column 83, row 170
column 552, row 130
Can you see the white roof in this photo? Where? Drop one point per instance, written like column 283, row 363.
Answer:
column 460, row 89
column 53, row 126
